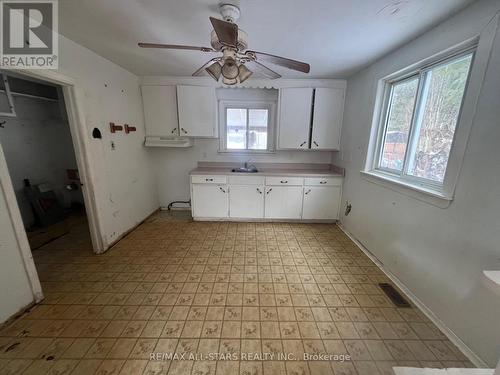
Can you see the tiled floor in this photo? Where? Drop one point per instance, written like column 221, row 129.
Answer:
column 201, row 288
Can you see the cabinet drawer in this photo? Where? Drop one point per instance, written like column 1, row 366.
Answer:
column 284, row 181
column 246, row 180
column 323, row 181
column 208, row 179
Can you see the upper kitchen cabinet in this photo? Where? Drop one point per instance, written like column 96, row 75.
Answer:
column 185, row 111
column 160, row 110
column 294, row 118
column 327, row 118
column 197, row 109
column 310, row 119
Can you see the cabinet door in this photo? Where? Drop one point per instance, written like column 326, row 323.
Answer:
column 321, row 203
column 327, row 119
column 246, row 201
column 295, row 118
column 283, row 202
column 209, row 200
column 160, row 110
column 197, row 111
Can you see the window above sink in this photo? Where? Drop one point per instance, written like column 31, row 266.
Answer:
column 247, row 120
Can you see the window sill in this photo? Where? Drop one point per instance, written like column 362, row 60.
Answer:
column 436, row 198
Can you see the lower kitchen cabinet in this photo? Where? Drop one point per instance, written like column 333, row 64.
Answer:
column 283, row 202
column 246, row 201
column 210, row 200
column 321, row 203
column 244, row 197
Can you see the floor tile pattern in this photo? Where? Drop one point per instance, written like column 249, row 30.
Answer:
column 175, row 286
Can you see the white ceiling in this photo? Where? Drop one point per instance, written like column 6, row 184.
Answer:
column 337, row 37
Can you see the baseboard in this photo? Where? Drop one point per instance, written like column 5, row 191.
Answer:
column 127, row 232
column 18, row 314
column 261, row 220
column 473, row 357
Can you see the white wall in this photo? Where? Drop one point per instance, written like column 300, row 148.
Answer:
column 37, row 145
column 173, row 165
column 125, row 181
column 437, row 253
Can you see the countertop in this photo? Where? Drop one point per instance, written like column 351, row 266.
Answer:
column 268, row 172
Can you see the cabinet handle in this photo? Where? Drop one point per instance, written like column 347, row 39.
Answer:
column 174, row 130
column 315, row 143
column 284, row 181
column 209, row 179
column 302, row 144
column 260, row 192
column 323, row 182
column 307, row 192
column 221, row 189
column 184, row 130
column 269, row 191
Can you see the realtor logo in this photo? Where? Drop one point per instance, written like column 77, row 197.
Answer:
column 29, row 34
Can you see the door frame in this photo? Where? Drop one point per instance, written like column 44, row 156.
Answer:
column 78, row 130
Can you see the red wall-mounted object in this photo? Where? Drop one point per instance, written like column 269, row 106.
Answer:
column 129, row 129
column 115, row 128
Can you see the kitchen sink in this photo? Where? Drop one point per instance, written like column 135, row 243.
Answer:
column 245, row 170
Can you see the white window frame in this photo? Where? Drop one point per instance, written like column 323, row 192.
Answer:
column 421, row 75
column 439, row 195
column 247, row 104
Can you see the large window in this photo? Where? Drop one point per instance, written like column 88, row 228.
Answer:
column 246, row 127
column 418, row 120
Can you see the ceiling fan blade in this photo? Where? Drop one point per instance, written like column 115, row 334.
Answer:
column 175, row 46
column 282, row 61
column 201, row 70
column 227, row 32
column 262, row 69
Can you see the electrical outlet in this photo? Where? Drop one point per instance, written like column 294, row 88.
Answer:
column 348, row 208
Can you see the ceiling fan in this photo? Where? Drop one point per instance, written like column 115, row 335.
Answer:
column 236, row 59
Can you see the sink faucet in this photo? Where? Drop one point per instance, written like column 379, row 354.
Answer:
column 247, row 164
column 249, row 167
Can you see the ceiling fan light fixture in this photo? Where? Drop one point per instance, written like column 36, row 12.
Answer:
column 230, row 69
column 229, row 82
column 214, row 70
column 244, row 73
column 227, row 38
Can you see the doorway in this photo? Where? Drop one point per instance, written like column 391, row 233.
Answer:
column 44, row 169
column 38, row 149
